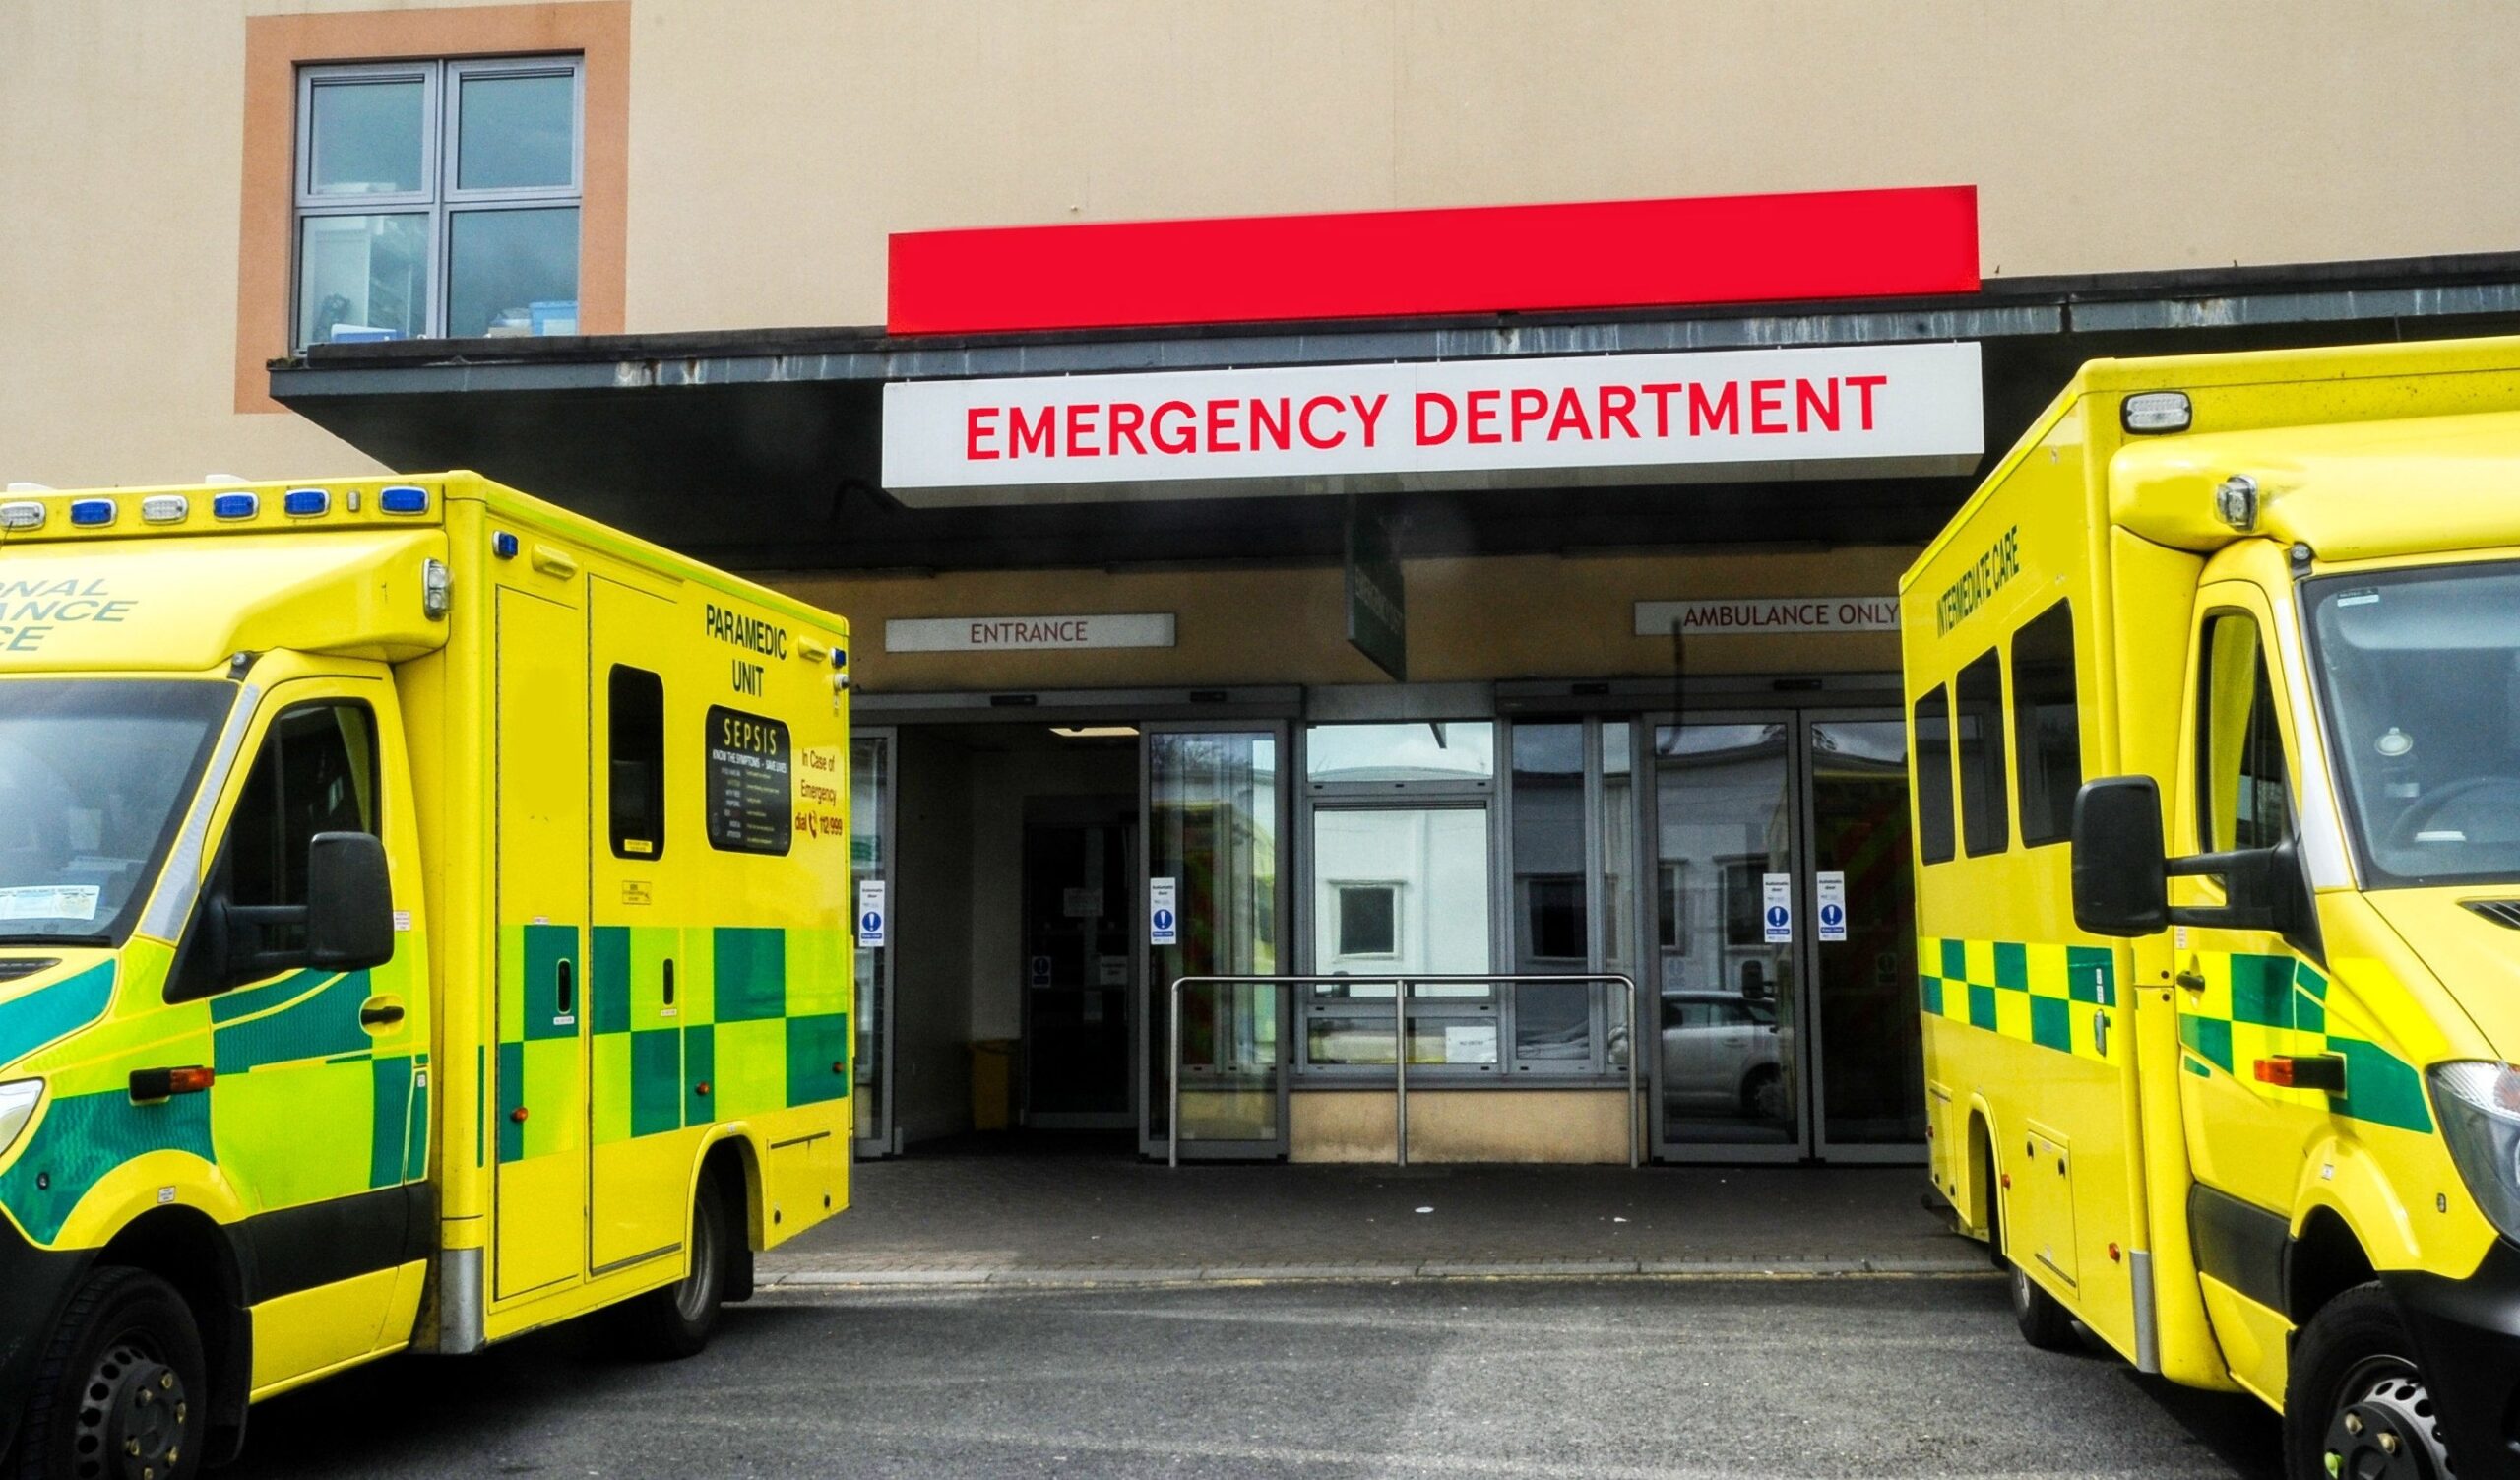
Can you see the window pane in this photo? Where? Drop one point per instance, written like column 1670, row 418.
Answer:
column 1444, row 750
column 1933, row 777
column 1618, row 868
column 2245, row 800
column 513, row 273
column 1432, row 865
column 1550, row 924
column 2047, row 724
column 362, row 277
column 638, row 756
column 516, row 132
column 1984, row 823
column 1367, row 922
column 365, row 138
column 316, row 773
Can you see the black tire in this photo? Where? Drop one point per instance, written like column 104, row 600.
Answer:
column 1763, row 1094
column 2044, row 1320
column 122, row 1390
column 678, row 1320
column 2355, row 1391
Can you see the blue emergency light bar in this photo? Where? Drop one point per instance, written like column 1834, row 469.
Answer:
column 236, row 506
column 305, row 503
column 93, row 511
column 404, row 498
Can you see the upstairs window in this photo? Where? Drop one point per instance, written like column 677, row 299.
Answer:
column 438, row 199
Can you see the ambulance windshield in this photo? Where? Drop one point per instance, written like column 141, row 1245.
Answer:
column 2419, row 672
column 94, row 775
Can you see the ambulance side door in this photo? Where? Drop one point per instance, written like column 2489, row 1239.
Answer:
column 2242, row 995
column 318, row 1107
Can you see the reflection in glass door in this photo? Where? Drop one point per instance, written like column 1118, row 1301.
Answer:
column 1871, row 1079
column 1728, row 1081
column 1215, row 816
column 870, row 833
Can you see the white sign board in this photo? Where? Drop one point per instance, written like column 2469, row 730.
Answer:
column 1757, row 615
column 1002, row 635
column 872, row 922
column 1162, row 923
column 1836, row 412
column 1832, row 905
column 1776, row 907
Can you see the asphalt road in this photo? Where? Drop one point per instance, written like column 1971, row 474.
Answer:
column 1837, row 1376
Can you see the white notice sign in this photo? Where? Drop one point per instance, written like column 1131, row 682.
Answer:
column 1162, row 926
column 1776, row 907
column 1751, row 616
column 1833, row 905
column 871, row 922
column 1027, row 634
column 1841, row 411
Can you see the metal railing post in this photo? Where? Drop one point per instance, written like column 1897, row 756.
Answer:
column 1634, row 1049
column 1399, row 1071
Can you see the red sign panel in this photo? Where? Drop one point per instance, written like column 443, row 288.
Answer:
column 1388, row 264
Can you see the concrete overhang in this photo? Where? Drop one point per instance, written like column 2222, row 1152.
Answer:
column 761, row 449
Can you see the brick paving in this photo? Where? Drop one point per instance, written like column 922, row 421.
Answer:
column 1053, row 1212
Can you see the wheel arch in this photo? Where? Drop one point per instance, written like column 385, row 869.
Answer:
column 195, row 1254
column 2322, row 1261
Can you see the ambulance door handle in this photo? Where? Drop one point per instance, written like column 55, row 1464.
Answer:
column 380, row 1012
column 2099, row 1032
column 2190, row 980
column 564, row 996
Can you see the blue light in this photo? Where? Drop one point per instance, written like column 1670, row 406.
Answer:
column 302, row 503
column 93, row 511
column 404, row 498
column 236, row 506
column 503, row 545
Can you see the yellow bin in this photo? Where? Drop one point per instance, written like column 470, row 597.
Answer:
column 992, row 1082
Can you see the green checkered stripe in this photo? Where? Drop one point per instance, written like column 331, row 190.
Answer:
column 2261, row 1006
column 757, row 1021
column 2042, row 995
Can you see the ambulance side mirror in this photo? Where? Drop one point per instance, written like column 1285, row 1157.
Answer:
column 2120, row 867
column 349, row 902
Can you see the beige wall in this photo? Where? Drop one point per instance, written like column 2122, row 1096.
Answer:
column 775, row 143
column 1530, row 617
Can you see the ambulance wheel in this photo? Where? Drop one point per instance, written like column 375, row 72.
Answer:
column 122, row 1392
column 678, row 1320
column 2355, row 1404
column 2044, row 1320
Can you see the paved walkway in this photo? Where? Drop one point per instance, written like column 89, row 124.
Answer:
column 977, row 1213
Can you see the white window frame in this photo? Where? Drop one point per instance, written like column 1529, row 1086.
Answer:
column 439, row 200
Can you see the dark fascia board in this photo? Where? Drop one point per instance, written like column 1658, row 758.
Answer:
column 2004, row 307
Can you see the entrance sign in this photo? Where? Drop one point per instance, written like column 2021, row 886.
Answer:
column 999, row 634
column 1747, row 616
column 1163, row 925
column 1850, row 411
column 1378, row 605
column 1833, row 905
column 871, row 922
column 1775, row 908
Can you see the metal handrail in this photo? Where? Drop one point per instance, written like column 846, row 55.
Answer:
column 1400, row 982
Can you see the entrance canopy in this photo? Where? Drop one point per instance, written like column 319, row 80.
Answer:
column 768, row 449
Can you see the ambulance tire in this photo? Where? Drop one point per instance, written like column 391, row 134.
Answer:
column 2353, row 1390
column 678, row 1320
column 2044, row 1320
column 124, row 1377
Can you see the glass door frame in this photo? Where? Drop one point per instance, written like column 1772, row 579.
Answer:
column 1807, row 962
column 882, row 1139
column 1650, row 982
column 1157, row 1014
column 1811, row 1139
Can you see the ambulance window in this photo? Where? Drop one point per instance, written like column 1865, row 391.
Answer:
column 1932, row 752
column 751, row 790
column 316, row 773
column 2244, row 793
column 1980, row 723
column 638, row 763
column 2047, row 726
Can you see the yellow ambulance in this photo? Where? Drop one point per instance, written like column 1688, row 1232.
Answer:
column 2213, row 691
column 422, row 919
